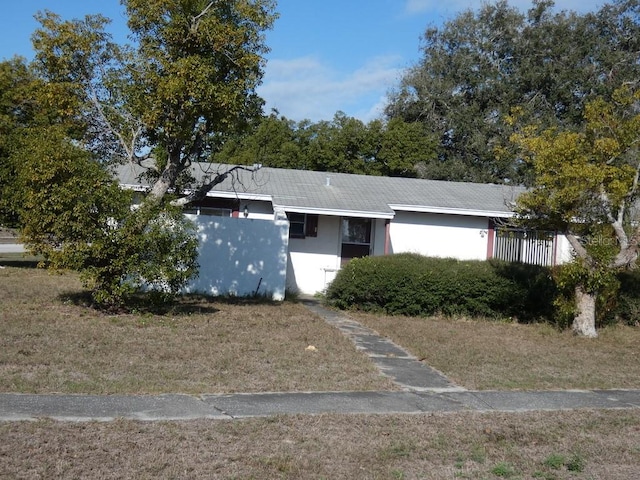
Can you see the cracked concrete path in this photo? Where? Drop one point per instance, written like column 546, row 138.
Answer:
column 391, row 359
column 173, row 407
column 424, row 390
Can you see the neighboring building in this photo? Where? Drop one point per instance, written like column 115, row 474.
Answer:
column 334, row 217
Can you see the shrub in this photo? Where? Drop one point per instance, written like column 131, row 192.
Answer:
column 627, row 301
column 618, row 300
column 411, row 284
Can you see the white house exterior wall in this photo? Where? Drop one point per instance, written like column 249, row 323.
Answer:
column 314, row 261
column 564, row 250
column 439, row 235
column 258, row 210
column 241, row 257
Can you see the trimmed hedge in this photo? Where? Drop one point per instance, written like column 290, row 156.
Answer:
column 411, row 284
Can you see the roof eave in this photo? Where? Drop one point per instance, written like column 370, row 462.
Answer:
column 334, row 212
column 453, row 211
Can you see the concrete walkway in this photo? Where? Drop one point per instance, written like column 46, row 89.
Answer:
column 12, row 248
column 391, row 359
column 424, row 390
column 18, row 407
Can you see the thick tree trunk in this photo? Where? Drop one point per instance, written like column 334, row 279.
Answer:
column 584, row 323
column 167, row 178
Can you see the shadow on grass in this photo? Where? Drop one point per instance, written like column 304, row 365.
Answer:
column 18, row 263
column 147, row 303
column 150, row 303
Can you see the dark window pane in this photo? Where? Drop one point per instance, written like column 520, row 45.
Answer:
column 350, row 250
column 356, row 230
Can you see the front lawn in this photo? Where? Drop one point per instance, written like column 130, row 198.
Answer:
column 50, row 342
column 491, row 355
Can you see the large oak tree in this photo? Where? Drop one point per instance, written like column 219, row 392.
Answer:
column 481, row 64
column 586, row 186
column 187, row 82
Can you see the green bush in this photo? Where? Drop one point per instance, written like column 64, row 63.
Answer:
column 627, row 302
column 618, row 299
column 411, row 284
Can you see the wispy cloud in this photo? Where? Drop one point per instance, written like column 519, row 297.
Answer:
column 419, row 6
column 306, row 88
column 309, row 87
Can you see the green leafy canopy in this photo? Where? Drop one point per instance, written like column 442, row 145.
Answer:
column 187, row 81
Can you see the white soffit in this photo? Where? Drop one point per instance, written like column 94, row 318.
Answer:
column 451, row 211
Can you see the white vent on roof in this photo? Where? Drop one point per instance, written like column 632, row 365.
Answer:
column 328, row 182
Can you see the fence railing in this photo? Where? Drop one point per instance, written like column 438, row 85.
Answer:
column 8, row 236
column 525, row 246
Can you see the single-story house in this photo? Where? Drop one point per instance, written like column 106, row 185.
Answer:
column 334, row 217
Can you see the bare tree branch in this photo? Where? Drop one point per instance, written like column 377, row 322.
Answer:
column 201, row 192
column 195, row 21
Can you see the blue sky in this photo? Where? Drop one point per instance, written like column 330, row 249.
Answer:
column 326, row 56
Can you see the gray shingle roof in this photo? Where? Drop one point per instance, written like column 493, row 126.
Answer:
column 348, row 194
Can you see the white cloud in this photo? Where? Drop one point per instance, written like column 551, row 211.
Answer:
column 306, row 88
column 420, row 6
column 310, row 88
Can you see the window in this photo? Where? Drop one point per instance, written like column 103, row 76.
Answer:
column 356, row 238
column 302, row 225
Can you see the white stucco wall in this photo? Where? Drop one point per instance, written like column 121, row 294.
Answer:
column 440, row 235
column 314, row 261
column 241, row 256
column 564, row 250
column 257, row 209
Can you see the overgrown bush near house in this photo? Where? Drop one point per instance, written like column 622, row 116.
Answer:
column 627, row 307
column 411, row 284
column 537, row 285
column 618, row 298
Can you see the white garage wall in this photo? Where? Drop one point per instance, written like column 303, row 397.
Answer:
column 440, row 235
column 314, row 261
column 241, row 256
column 564, row 250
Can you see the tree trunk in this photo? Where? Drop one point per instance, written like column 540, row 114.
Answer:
column 584, row 323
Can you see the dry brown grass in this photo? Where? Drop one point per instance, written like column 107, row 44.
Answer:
column 545, row 445
column 48, row 344
column 484, row 354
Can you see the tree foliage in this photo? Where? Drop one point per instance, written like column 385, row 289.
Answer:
column 586, row 187
column 16, row 112
column 483, row 63
column 168, row 100
column 344, row 144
